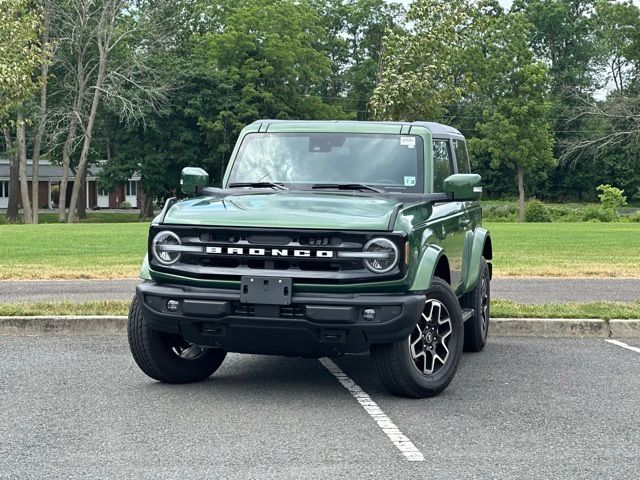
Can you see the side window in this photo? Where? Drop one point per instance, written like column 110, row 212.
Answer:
column 442, row 164
column 462, row 157
column 132, row 187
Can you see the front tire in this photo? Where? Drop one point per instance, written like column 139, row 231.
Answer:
column 168, row 357
column 424, row 364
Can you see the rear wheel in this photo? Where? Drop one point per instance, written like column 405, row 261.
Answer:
column 479, row 299
column 168, row 357
column 425, row 363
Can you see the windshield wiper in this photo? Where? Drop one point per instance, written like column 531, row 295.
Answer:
column 276, row 186
column 347, row 186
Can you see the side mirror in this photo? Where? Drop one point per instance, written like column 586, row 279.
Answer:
column 191, row 178
column 464, row 186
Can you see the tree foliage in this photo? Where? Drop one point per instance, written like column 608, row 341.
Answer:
column 547, row 93
column 20, row 52
column 417, row 78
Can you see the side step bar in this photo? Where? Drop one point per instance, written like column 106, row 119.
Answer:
column 467, row 313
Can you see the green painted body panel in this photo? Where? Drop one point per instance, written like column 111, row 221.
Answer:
column 191, row 178
column 145, row 272
column 426, row 267
column 463, row 186
column 335, row 127
column 450, row 230
column 474, row 247
column 275, row 209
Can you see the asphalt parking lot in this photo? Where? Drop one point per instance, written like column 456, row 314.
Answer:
column 521, row 290
column 78, row 407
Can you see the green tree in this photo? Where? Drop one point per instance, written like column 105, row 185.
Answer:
column 250, row 60
column 418, row 77
column 20, row 56
column 352, row 39
column 618, row 25
column 20, row 61
column 563, row 35
column 514, row 130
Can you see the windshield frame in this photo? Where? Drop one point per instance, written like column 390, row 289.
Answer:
column 418, row 188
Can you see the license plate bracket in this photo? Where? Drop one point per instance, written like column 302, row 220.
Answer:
column 265, row 290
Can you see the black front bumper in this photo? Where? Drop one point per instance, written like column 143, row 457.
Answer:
column 313, row 325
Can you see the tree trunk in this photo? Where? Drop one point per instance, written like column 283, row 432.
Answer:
column 521, row 193
column 88, row 134
column 146, row 205
column 67, row 149
column 22, row 155
column 82, row 198
column 37, row 142
column 14, row 179
column 66, row 165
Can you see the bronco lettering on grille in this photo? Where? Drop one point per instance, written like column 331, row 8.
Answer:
column 274, row 252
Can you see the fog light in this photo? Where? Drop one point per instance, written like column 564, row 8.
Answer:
column 172, row 305
column 369, row 314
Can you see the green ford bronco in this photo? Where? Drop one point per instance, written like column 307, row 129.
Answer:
column 327, row 238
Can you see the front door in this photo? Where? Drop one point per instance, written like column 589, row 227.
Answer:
column 131, row 188
column 450, row 225
column 103, row 199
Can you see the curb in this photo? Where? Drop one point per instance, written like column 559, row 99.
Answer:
column 549, row 327
column 64, row 325
column 500, row 327
column 624, row 328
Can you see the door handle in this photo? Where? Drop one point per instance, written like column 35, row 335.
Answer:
column 464, row 222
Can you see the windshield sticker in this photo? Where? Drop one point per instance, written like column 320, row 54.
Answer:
column 409, row 181
column 408, row 141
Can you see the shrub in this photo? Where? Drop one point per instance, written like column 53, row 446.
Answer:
column 125, row 206
column 535, row 211
column 560, row 213
column 611, row 197
column 500, row 213
column 634, row 217
column 598, row 214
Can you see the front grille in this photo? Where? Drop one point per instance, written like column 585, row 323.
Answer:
column 244, row 309
column 292, row 311
column 285, row 311
column 273, row 253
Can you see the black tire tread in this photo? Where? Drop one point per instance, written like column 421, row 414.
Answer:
column 140, row 344
column 387, row 360
column 148, row 352
column 473, row 341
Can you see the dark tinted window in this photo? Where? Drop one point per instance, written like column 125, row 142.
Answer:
column 442, row 165
column 462, row 157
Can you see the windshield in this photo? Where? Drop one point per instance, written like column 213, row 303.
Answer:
column 301, row 160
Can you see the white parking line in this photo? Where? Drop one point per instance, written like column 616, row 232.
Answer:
column 406, row 447
column 623, row 345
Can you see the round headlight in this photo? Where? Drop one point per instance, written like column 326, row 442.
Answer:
column 387, row 258
column 164, row 247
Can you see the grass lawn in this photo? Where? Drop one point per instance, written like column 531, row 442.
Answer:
column 583, row 249
column 92, row 217
column 115, row 250
column 499, row 309
column 603, row 310
column 91, row 250
column 64, row 308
